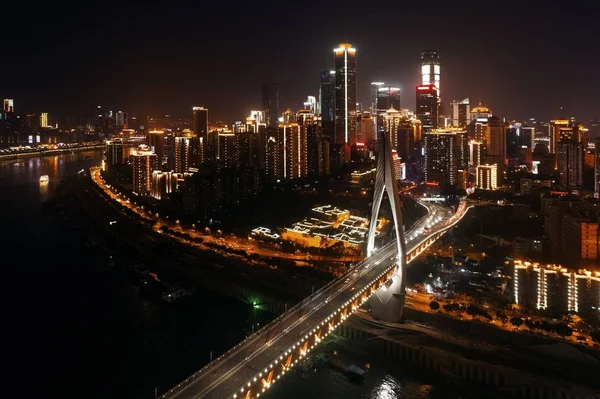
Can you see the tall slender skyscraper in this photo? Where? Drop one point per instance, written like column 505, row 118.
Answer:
column 200, row 122
column 345, row 94
column 270, row 100
column 374, row 93
column 427, row 106
column 327, row 96
column 156, row 143
column 430, row 69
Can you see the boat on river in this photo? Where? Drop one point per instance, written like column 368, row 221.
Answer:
column 44, row 179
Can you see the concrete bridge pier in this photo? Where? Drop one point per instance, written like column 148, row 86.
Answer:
column 388, row 302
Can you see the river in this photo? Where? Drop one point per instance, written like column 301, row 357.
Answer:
column 77, row 330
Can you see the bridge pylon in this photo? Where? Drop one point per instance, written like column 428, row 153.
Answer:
column 389, row 306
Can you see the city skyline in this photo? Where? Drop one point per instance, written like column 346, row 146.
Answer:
column 149, row 74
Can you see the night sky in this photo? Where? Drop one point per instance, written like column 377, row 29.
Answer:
column 523, row 59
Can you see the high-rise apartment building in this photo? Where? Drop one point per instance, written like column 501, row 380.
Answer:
column 187, row 154
column 430, row 69
column 442, row 157
column 44, row 120
column 570, row 164
column 227, row 150
column 156, row 143
column 345, row 94
column 270, row 102
column 486, row 177
column 366, row 128
column 327, row 96
column 144, row 163
column 289, row 157
column 427, row 106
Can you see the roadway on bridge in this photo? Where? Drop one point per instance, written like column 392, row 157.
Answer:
column 226, row 375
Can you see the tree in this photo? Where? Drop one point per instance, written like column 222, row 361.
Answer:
column 434, row 305
column 595, row 335
column 516, row 321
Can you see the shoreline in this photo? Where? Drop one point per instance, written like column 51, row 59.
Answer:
column 47, row 152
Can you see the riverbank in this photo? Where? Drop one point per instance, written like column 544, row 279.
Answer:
column 42, row 152
column 507, row 364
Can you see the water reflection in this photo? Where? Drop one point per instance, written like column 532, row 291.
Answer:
column 26, row 172
column 388, row 388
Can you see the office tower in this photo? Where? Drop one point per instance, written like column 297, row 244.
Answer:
column 388, row 97
column 390, row 122
column 200, row 123
column 8, row 105
column 461, row 113
column 366, row 128
column 597, row 168
column 430, row 69
column 156, row 143
column 480, row 111
column 486, row 177
column 144, row 163
column 227, row 150
column 442, row 157
column 270, row 101
column 44, row 120
column 374, row 93
column 427, row 106
column 327, row 96
column 310, row 104
column 570, row 164
column 121, row 119
column 345, row 94
column 187, row 154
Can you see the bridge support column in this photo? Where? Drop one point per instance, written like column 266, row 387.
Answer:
column 391, row 299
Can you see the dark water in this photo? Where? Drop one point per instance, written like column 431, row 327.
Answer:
column 73, row 329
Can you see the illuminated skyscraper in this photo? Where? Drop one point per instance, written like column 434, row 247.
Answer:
column 121, row 119
column 430, row 69
column 570, row 164
column 200, row 123
column 442, row 156
column 227, row 150
column 270, row 100
column 374, row 92
column 427, row 106
column 597, row 168
column 8, row 105
column 144, row 163
column 327, row 96
column 156, row 143
column 388, row 97
column 44, row 119
column 486, row 177
column 461, row 113
column 345, row 94
column 187, row 154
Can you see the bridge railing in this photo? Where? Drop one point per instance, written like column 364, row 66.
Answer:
column 257, row 334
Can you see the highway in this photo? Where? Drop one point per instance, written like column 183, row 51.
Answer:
column 223, row 377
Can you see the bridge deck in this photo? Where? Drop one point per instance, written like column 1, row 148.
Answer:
column 224, row 377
